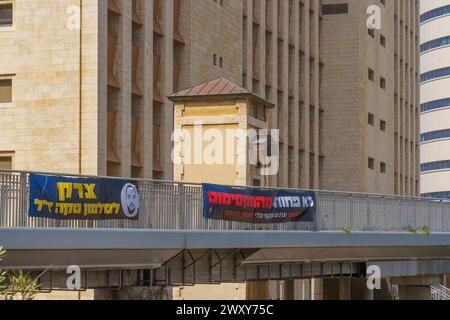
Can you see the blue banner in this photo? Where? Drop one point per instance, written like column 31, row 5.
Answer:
column 66, row 198
column 257, row 205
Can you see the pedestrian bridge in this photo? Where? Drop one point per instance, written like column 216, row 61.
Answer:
column 172, row 244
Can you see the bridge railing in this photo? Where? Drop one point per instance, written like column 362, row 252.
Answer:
column 172, row 205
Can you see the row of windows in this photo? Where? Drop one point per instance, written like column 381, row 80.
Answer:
column 371, row 121
column 371, row 76
column 437, row 165
column 371, row 165
column 382, row 38
column 444, row 41
column 434, row 74
column 437, row 195
column 435, row 135
column 433, row 105
column 435, row 13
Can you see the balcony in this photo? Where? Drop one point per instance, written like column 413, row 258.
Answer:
column 157, row 148
column 112, row 47
column 157, row 79
column 176, row 75
column 157, row 16
column 111, row 136
column 135, row 154
column 176, row 22
column 112, row 6
column 135, row 61
column 134, row 13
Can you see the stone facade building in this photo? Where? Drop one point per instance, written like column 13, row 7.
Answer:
column 89, row 95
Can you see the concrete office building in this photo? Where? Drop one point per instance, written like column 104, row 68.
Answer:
column 92, row 100
column 435, row 98
column 370, row 97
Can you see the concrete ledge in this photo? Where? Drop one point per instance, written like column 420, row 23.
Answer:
column 93, row 239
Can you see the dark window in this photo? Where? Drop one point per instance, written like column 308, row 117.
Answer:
column 371, row 163
column 5, row 90
column 5, row 163
column 6, row 14
column 340, row 8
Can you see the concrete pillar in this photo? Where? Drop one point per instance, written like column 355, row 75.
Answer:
column 302, row 289
column 258, row 290
column 288, row 290
column 345, row 289
column 415, row 288
column 317, row 290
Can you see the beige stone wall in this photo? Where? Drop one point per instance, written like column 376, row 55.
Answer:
column 348, row 96
column 42, row 124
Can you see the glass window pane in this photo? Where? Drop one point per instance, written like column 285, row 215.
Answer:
column 6, row 14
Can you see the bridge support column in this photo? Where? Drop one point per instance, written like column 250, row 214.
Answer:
column 258, row 290
column 345, row 289
column 415, row 288
column 317, row 289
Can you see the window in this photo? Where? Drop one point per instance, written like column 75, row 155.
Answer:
column 438, row 165
column 339, row 8
column 6, row 14
column 436, row 43
column 437, row 195
column 383, row 40
column 5, row 90
column 371, row 163
column 382, row 83
column 434, row 74
column 371, row 75
column 371, row 32
column 383, row 167
column 215, row 59
column 442, row 11
column 221, row 62
column 6, row 162
column 383, row 125
column 433, row 105
column 371, row 119
column 435, row 135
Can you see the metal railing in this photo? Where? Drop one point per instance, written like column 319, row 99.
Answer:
column 179, row 206
column 439, row 292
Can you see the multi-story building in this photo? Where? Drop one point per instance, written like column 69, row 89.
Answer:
column 369, row 96
column 435, row 98
column 90, row 96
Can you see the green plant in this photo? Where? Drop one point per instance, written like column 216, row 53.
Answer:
column 21, row 286
column 17, row 285
column 346, row 229
column 411, row 229
column 426, row 230
column 2, row 274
